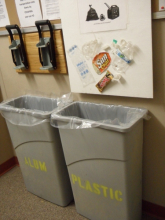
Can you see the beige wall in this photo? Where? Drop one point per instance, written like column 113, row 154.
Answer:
column 14, row 84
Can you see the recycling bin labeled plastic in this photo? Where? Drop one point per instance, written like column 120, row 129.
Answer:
column 38, row 147
column 103, row 150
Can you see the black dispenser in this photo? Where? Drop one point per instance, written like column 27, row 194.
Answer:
column 46, row 47
column 17, row 48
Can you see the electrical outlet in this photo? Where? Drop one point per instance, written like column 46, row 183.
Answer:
column 161, row 5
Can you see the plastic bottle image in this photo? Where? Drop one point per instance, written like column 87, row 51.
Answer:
column 123, row 55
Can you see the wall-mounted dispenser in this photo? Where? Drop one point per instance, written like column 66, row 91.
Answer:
column 46, row 48
column 17, row 49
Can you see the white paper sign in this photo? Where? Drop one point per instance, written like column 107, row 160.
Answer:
column 4, row 19
column 50, row 9
column 28, row 12
column 95, row 16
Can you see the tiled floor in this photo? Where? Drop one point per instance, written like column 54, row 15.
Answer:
column 16, row 203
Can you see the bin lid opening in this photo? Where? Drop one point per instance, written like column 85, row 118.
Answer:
column 99, row 115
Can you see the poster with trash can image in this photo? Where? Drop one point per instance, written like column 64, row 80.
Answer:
column 114, row 62
column 102, row 15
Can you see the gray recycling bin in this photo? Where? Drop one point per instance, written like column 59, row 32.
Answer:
column 38, row 147
column 103, row 150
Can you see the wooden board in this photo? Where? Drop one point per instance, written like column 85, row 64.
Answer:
column 30, row 41
column 155, row 5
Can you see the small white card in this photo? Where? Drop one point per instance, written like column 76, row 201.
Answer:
column 28, row 12
column 161, row 5
column 50, row 9
column 96, row 16
column 4, row 19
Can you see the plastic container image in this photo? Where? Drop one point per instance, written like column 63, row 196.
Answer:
column 103, row 150
column 38, row 147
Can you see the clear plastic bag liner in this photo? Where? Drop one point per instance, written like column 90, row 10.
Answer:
column 80, row 115
column 30, row 110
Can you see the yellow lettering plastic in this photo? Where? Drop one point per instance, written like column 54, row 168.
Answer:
column 117, row 194
column 111, row 193
column 104, row 190
column 88, row 186
column 79, row 182
column 74, row 178
column 96, row 188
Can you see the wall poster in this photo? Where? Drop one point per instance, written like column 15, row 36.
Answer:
column 95, row 16
column 108, row 46
column 28, row 12
column 50, row 9
column 4, row 18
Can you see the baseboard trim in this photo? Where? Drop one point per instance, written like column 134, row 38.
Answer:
column 153, row 210
column 8, row 165
column 149, row 208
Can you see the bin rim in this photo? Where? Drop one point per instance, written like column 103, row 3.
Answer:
column 4, row 107
column 55, row 116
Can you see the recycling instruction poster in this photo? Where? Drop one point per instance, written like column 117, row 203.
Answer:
column 50, row 9
column 96, row 16
column 28, row 12
column 4, row 19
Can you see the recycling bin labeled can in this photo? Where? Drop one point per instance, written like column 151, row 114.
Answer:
column 38, row 147
column 103, row 151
